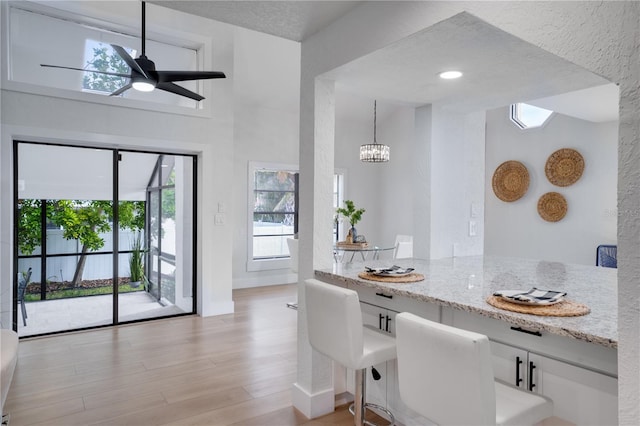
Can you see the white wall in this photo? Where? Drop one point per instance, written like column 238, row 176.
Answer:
column 604, row 38
column 383, row 189
column 266, row 129
column 36, row 117
column 457, row 166
column 516, row 229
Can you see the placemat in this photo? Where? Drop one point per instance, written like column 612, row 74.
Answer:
column 342, row 244
column 566, row 308
column 411, row 278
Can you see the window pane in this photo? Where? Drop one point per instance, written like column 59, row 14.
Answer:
column 274, row 180
column 36, row 38
column 274, row 202
column 528, row 116
column 267, row 247
column 272, row 224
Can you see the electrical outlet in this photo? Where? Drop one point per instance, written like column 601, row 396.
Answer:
column 218, row 219
column 473, row 228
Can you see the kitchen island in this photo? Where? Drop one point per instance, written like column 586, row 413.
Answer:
column 573, row 360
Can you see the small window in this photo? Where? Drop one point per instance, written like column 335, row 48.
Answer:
column 274, row 212
column 527, row 116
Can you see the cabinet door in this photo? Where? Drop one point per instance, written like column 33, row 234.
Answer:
column 510, row 364
column 581, row 396
column 375, row 317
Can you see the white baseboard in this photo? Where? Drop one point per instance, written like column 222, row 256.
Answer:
column 313, row 406
column 262, row 280
column 221, row 308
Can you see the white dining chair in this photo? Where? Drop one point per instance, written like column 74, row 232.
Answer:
column 404, row 247
column 446, row 375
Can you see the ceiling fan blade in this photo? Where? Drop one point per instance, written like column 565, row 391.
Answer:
column 122, row 90
column 179, row 90
column 85, row 70
column 129, row 60
column 168, row 76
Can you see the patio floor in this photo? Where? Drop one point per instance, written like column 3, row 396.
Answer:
column 67, row 314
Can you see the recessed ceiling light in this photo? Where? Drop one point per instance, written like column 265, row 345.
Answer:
column 449, row 75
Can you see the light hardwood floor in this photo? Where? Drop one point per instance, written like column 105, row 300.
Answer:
column 233, row 369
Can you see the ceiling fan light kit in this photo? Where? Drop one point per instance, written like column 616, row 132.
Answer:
column 374, row 152
column 144, row 76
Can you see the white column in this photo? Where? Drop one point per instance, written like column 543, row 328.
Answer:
column 313, row 392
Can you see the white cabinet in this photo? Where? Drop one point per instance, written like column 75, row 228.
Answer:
column 580, row 377
column 382, row 320
column 510, row 365
column 582, row 396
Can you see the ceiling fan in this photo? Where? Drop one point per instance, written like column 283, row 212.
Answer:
column 144, row 76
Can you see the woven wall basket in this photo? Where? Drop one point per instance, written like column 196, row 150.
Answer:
column 552, row 207
column 510, row 181
column 564, row 167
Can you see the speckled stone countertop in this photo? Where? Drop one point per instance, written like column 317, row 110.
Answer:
column 465, row 283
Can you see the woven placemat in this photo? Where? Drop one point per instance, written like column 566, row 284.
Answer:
column 552, row 207
column 564, row 167
column 510, row 181
column 411, row 278
column 566, row 308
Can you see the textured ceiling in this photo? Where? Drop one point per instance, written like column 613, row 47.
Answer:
column 499, row 69
column 293, row 20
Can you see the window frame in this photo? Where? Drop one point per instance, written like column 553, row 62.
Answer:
column 254, row 264
column 514, row 112
column 105, row 22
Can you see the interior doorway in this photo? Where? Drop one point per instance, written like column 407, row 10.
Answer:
column 102, row 236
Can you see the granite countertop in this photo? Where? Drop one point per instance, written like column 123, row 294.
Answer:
column 465, row 283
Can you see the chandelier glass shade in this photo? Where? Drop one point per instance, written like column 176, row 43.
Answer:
column 374, row 152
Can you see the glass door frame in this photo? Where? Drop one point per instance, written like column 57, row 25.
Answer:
column 115, row 252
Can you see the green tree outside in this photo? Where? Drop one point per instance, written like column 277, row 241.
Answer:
column 105, row 59
column 80, row 220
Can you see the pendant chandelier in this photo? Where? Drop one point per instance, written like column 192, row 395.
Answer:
column 374, row 152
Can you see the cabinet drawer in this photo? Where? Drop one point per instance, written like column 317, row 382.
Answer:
column 576, row 352
column 397, row 303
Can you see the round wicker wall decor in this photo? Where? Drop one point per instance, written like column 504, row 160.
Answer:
column 510, row 181
column 552, row 207
column 564, row 167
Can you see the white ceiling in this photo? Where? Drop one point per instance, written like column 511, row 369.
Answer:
column 499, row 68
column 293, row 20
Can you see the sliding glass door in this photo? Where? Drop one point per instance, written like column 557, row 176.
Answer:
column 102, row 236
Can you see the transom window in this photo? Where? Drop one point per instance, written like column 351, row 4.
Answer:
column 42, row 35
column 527, row 116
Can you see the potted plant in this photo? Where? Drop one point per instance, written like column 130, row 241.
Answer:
column 353, row 215
column 136, row 263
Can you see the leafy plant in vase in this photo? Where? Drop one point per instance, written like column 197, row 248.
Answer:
column 136, row 263
column 353, row 215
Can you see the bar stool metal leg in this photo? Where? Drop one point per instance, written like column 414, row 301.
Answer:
column 359, row 406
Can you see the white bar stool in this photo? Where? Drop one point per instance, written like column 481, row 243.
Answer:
column 446, row 375
column 334, row 321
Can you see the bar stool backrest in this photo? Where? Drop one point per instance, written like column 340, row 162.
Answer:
column 445, row 373
column 334, row 322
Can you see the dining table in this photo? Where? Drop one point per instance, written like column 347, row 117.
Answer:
column 343, row 251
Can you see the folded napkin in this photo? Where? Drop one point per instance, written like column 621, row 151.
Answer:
column 393, row 270
column 533, row 296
